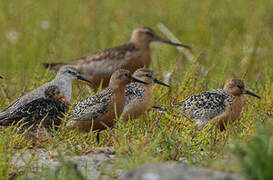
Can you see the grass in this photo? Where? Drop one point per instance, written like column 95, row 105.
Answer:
column 256, row 158
column 230, row 40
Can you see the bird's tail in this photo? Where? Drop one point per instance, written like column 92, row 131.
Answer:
column 6, row 122
column 3, row 115
column 53, row 66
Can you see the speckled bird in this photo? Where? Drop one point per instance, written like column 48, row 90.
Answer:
column 221, row 105
column 63, row 81
column 46, row 111
column 99, row 111
column 100, row 65
column 139, row 95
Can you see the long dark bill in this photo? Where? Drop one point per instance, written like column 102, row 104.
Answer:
column 251, row 93
column 83, row 79
column 161, row 83
column 158, row 38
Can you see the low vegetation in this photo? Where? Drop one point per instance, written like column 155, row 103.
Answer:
column 231, row 39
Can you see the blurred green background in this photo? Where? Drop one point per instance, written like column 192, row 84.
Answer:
column 234, row 36
column 230, row 38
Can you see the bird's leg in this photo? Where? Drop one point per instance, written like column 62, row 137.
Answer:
column 215, row 135
column 98, row 137
column 37, row 134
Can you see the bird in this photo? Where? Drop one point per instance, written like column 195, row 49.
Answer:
column 99, row 66
column 63, row 81
column 47, row 111
column 139, row 95
column 221, row 105
column 98, row 112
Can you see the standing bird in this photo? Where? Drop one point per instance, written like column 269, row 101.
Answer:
column 100, row 65
column 222, row 105
column 46, row 111
column 99, row 111
column 139, row 95
column 63, row 81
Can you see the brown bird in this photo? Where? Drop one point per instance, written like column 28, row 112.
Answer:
column 99, row 66
column 221, row 106
column 100, row 111
column 139, row 95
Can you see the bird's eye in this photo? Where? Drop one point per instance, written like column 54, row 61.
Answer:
column 148, row 75
column 149, row 33
column 71, row 72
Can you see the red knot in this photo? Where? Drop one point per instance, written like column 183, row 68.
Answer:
column 46, row 111
column 100, row 65
column 63, row 81
column 221, row 105
column 139, row 95
column 100, row 111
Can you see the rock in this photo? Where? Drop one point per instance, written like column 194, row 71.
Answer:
column 92, row 165
column 176, row 171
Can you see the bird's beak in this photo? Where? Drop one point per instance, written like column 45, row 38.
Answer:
column 83, row 79
column 1, row 77
column 251, row 93
column 161, row 83
column 160, row 39
column 138, row 80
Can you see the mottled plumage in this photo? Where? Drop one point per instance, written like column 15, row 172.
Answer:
column 100, row 65
column 94, row 106
column 100, row 111
column 48, row 109
column 222, row 105
column 63, row 81
column 134, row 91
column 100, row 62
column 139, row 95
column 207, row 105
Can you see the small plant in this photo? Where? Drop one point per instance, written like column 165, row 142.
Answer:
column 256, row 159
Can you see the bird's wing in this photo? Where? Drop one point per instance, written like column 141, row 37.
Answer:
column 35, row 111
column 34, row 94
column 92, row 107
column 107, row 61
column 206, row 105
column 23, row 111
column 103, row 62
column 12, row 104
column 133, row 91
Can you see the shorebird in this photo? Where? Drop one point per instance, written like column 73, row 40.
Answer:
column 139, row 95
column 100, row 65
column 46, row 111
column 63, row 81
column 221, row 106
column 99, row 111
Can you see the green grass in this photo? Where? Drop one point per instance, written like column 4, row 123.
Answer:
column 257, row 156
column 231, row 39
